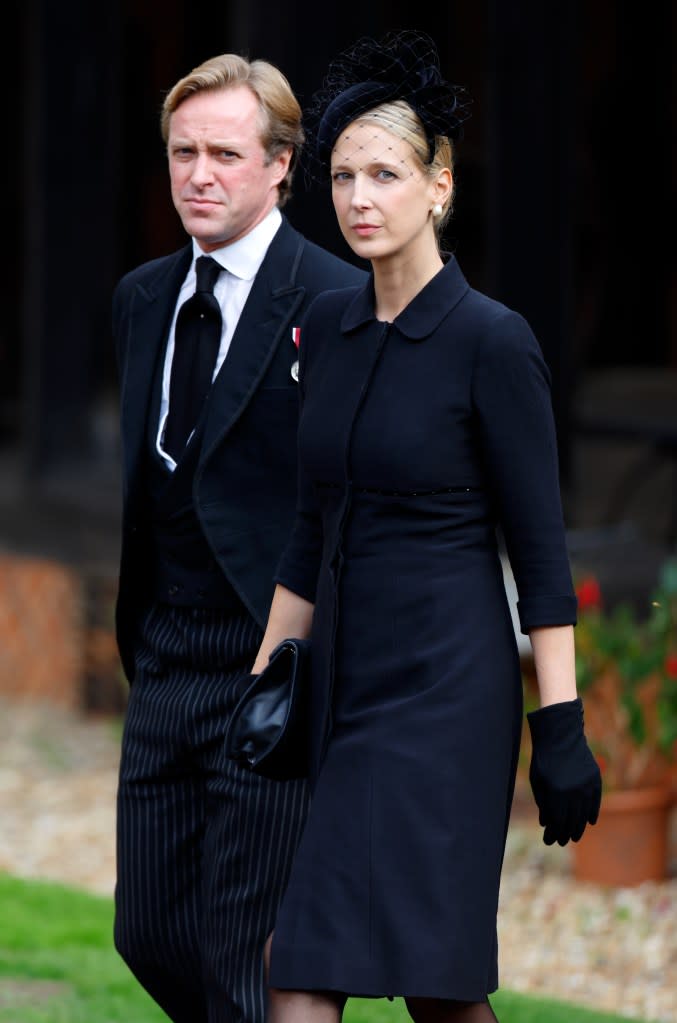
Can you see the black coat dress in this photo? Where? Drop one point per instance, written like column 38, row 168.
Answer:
column 419, row 440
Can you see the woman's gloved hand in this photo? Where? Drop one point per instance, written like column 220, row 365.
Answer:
column 565, row 777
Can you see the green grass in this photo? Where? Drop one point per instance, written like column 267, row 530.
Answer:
column 57, row 961
column 58, row 965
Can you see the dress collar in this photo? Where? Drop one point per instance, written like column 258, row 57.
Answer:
column 424, row 313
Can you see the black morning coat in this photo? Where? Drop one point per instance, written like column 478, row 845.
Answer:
column 245, row 484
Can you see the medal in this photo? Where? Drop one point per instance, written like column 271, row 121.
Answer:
column 296, row 338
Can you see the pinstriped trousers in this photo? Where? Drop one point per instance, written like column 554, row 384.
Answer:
column 204, row 847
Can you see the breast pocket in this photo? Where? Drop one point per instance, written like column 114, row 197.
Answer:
column 280, row 404
column 268, row 428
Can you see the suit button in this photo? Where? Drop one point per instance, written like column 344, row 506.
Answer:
column 173, row 590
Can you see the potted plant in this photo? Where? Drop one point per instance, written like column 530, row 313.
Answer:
column 626, row 668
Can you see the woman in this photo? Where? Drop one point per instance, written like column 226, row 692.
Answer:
column 426, row 423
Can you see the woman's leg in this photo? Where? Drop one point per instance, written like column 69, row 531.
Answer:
column 302, row 1006
column 440, row 1010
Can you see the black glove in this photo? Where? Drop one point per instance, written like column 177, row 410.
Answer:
column 565, row 777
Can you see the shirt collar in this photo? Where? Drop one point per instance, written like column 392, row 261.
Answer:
column 244, row 257
column 424, row 313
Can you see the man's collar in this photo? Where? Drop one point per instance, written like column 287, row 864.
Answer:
column 244, row 257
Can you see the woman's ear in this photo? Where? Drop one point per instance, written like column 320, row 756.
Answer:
column 443, row 186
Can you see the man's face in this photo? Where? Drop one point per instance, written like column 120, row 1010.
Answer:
column 222, row 182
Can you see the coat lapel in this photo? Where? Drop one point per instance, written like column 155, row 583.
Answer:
column 267, row 314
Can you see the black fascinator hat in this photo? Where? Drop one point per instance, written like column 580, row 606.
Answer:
column 401, row 66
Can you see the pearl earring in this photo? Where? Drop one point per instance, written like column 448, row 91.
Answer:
column 437, row 210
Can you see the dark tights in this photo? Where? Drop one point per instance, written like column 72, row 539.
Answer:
column 435, row 1010
column 307, row 1007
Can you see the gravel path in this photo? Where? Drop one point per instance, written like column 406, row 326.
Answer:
column 612, row 949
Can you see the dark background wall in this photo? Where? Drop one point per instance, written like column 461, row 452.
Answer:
column 565, row 185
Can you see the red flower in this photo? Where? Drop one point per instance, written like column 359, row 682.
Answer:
column 589, row 593
column 670, row 666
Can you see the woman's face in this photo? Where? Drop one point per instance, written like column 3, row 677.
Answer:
column 381, row 193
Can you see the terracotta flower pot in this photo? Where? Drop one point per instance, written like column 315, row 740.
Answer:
column 629, row 842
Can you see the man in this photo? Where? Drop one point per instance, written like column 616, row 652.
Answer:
column 204, row 847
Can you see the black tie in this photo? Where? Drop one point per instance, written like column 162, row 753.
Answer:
column 196, row 345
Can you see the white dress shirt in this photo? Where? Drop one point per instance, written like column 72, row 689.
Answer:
column 240, row 261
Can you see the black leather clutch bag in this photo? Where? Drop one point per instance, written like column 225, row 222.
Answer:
column 269, row 727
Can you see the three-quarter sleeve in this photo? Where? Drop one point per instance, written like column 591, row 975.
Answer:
column 299, row 565
column 513, row 406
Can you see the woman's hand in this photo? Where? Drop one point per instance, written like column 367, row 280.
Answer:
column 565, row 777
column 290, row 615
